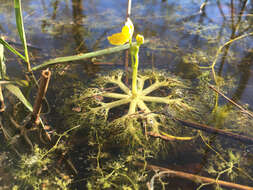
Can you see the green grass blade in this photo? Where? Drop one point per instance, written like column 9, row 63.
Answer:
column 21, row 30
column 12, row 49
column 22, row 83
column 2, row 75
column 82, row 56
column 2, row 64
column 18, row 93
column 4, row 82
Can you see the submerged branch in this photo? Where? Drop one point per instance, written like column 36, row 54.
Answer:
column 193, row 177
column 231, row 101
column 213, row 130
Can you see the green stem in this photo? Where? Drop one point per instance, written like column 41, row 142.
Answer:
column 135, row 63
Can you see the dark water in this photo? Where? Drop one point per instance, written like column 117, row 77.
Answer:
column 183, row 35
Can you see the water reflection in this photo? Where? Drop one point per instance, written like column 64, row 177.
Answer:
column 78, row 31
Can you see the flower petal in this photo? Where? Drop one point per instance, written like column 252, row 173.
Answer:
column 118, row 38
column 126, row 31
column 130, row 25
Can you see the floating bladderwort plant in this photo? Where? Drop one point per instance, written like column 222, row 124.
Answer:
column 110, row 92
column 119, row 120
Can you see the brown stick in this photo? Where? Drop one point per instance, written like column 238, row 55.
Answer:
column 209, row 129
column 194, row 177
column 213, row 130
column 201, row 127
column 231, row 101
column 44, row 80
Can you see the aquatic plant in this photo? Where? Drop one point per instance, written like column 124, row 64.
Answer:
column 102, row 108
column 39, row 171
column 96, row 107
column 118, row 117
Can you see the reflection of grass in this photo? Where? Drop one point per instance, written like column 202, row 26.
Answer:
column 219, row 52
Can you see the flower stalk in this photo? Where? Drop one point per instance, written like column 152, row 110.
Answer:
column 135, row 63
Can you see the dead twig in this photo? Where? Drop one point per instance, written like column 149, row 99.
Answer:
column 193, row 177
column 44, row 81
column 199, row 126
column 231, row 101
column 213, row 130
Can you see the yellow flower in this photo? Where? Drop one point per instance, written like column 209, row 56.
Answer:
column 124, row 36
column 139, row 39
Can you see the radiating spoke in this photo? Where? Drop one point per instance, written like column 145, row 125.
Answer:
column 115, row 95
column 151, row 116
column 116, row 103
column 154, row 86
column 121, row 85
column 164, row 100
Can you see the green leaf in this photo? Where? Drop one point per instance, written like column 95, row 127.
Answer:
column 13, row 50
column 23, row 83
column 2, row 75
column 18, row 93
column 83, row 56
column 20, row 26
